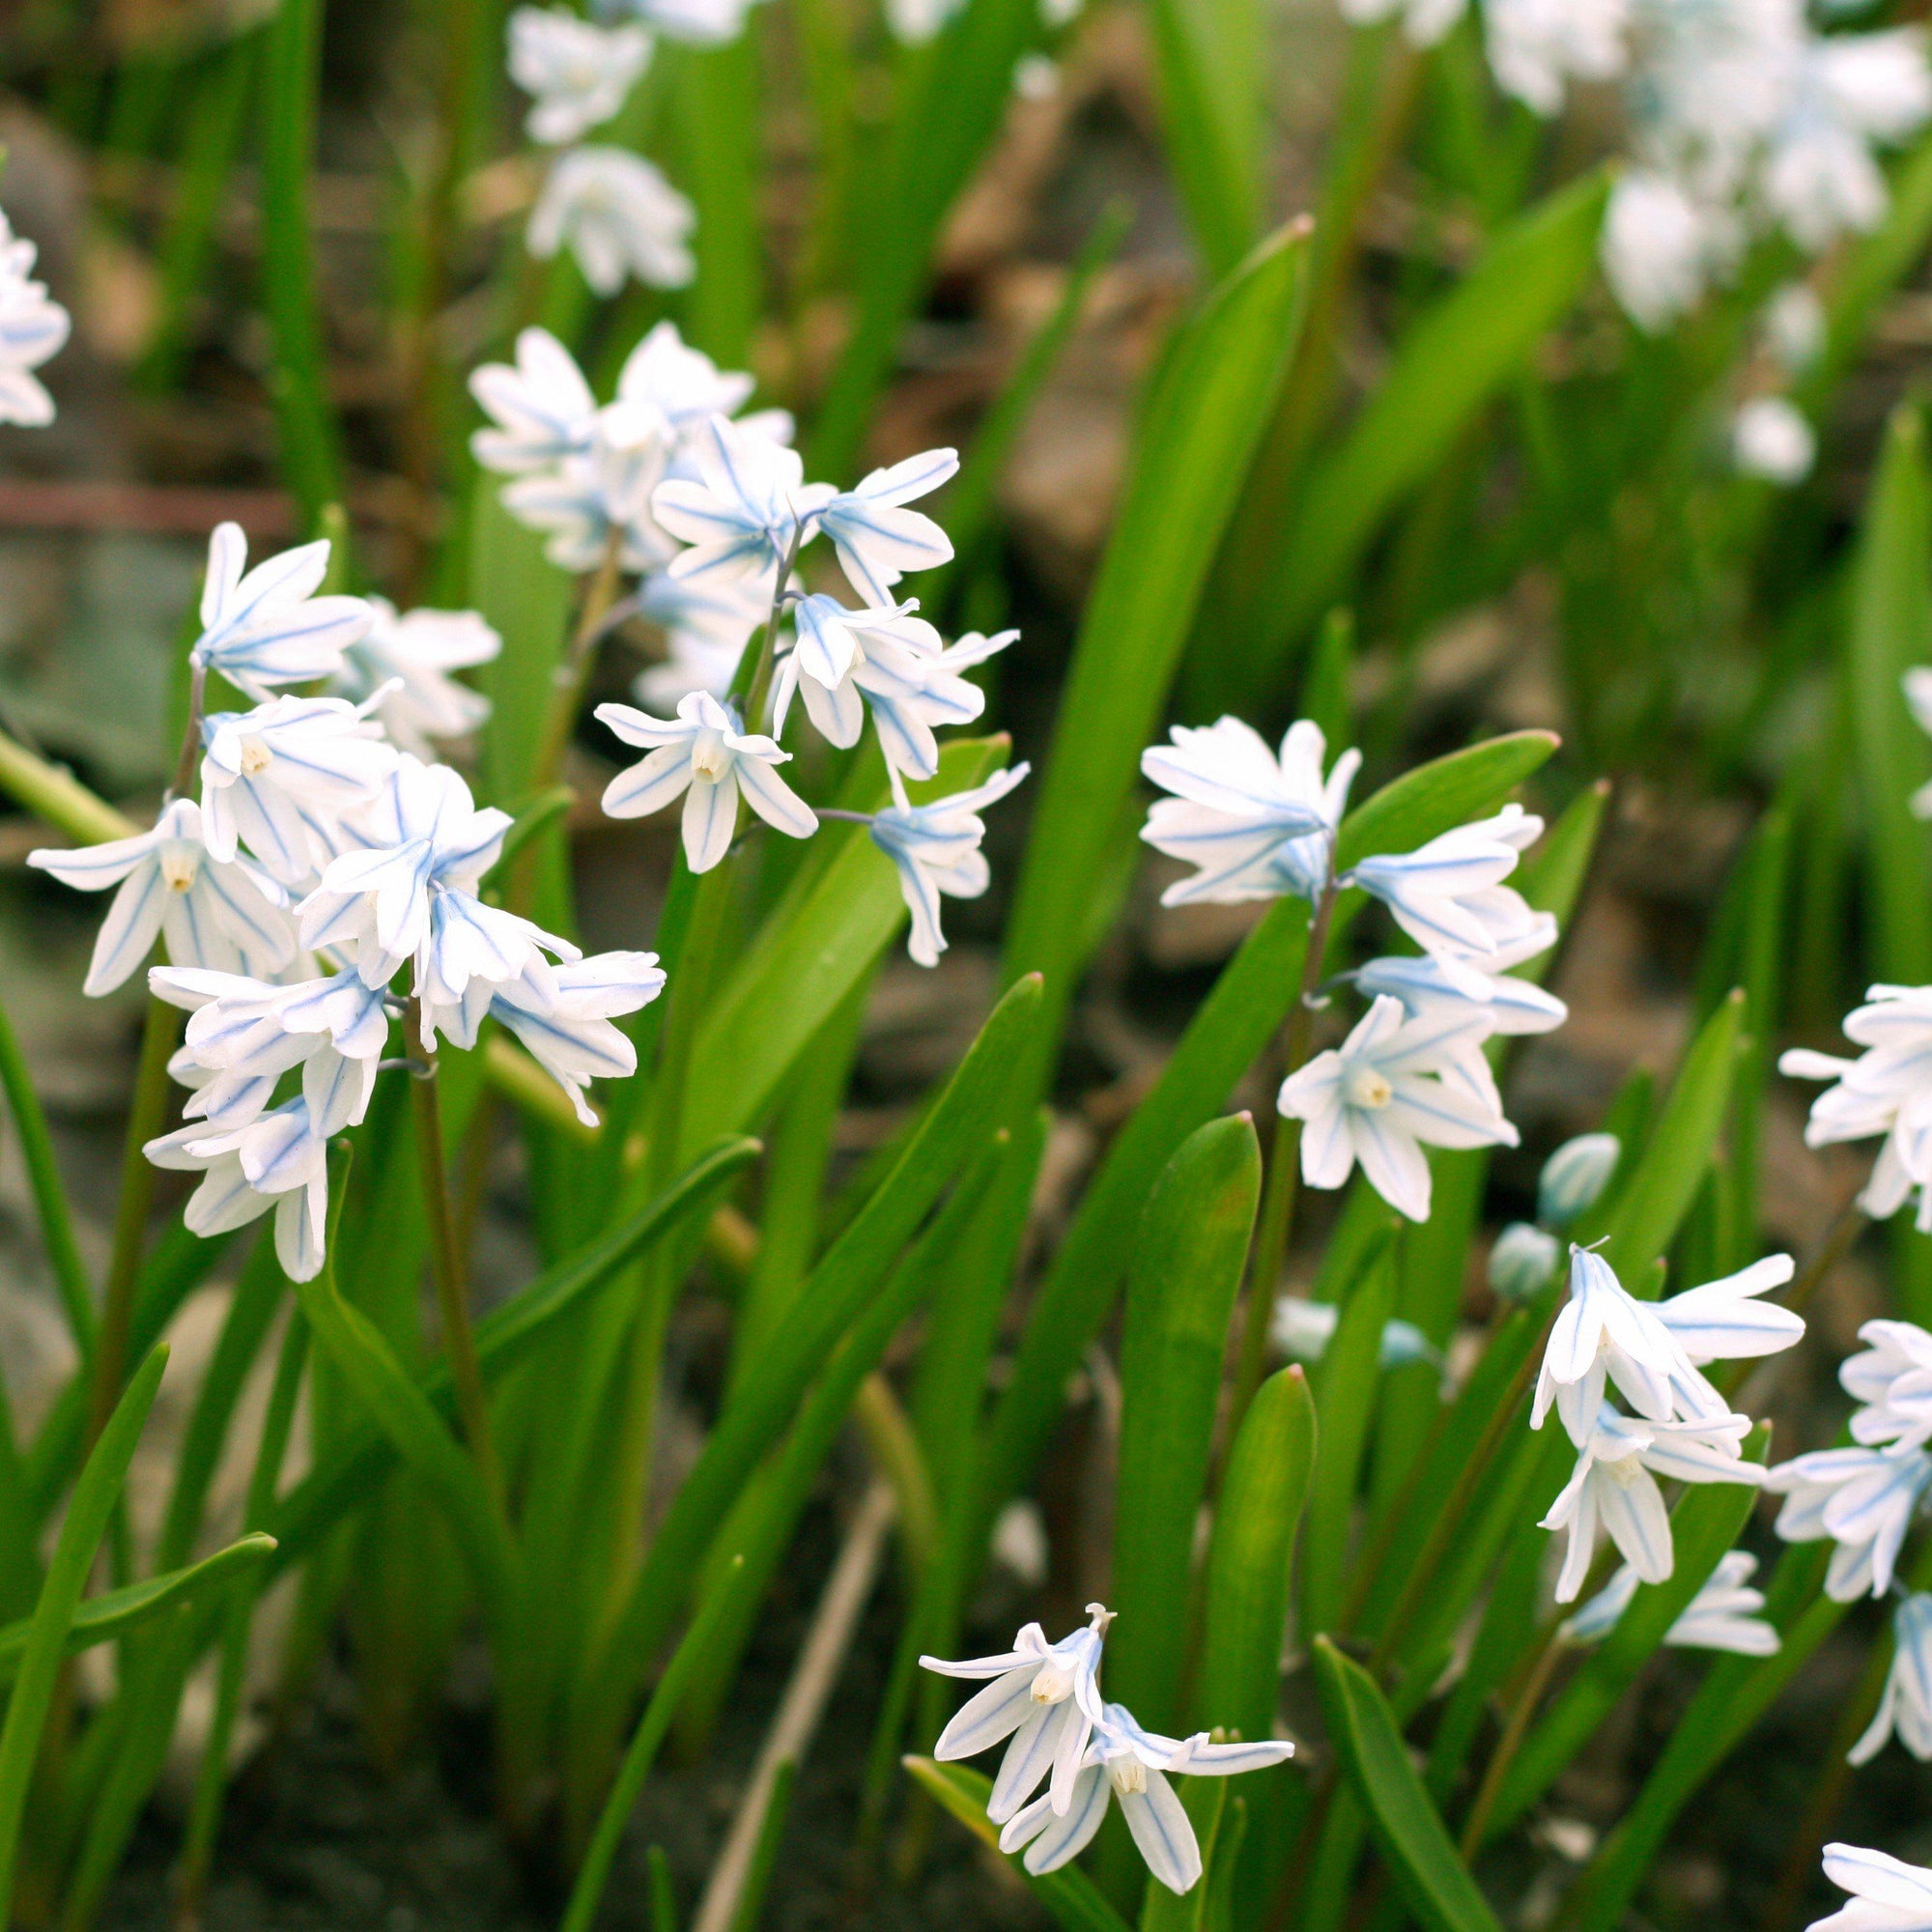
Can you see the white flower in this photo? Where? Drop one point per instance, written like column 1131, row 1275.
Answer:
column 1127, row 1762
column 1887, row 1089
column 1863, row 1499
column 542, row 406
column 1537, row 47
column 1254, row 825
column 578, row 71
column 618, row 215
column 1724, row 1320
column 280, row 778
column 706, row 627
column 1795, row 327
column 914, row 22
column 270, row 626
column 1449, row 897
column 1511, row 1007
column 1302, row 1330
column 936, row 850
column 703, row 756
column 412, row 890
column 1887, row 1895
column 877, row 538
column 1380, row 1097
column 1660, row 249
column 1907, row 1703
column 843, row 658
column 700, row 23
column 222, row 915
column 277, row 1162
column 1723, row 1616
column 402, row 664
column 33, row 326
column 1045, row 1696
column 682, row 384
column 602, row 492
column 1423, row 22
column 1614, row 1485
column 1574, row 1178
column 563, row 1015
column 1892, row 1378
column 245, row 1034
column 744, row 510
column 1772, row 439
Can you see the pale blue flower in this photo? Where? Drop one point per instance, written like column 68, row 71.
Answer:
column 746, row 509
column 1863, row 1499
column 878, row 539
column 1723, row 1616
column 268, row 627
column 541, row 407
column 1891, row 1376
column 1513, row 1006
column 1906, row 1705
column 936, row 850
column 279, row 1162
column 1887, row 1895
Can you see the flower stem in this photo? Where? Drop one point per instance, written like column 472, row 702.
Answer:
column 1278, row 1195
column 600, row 592
column 447, row 1262
column 147, row 1118
column 191, row 750
column 1476, row 1825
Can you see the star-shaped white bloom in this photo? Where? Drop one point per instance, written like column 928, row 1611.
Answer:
column 1536, row 48
column 602, row 492
column 1659, row 246
column 1046, row 1698
column 877, row 538
column 746, row 509
column 1723, row 1616
column 578, row 71
column 936, row 850
column 402, row 664
column 1512, row 1006
column 1133, row 1764
column 268, row 627
column 1906, row 1705
column 1887, row 1895
column 618, row 216
column 1449, row 897
column 1892, row 1378
column 1254, row 825
column 1772, row 439
column 682, row 384
column 224, row 915
column 541, row 407
column 276, row 1162
column 703, row 756
column 1615, row 1486
column 1887, row 1089
column 33, row 328
column 563, row 1015
column 1863, row 1499
column 1382, row 1096
column 280, row 780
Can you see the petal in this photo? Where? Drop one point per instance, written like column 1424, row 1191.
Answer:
column 1162, row 1832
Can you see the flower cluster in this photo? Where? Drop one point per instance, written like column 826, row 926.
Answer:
column 33, row 328
column 613, row 209
column 1414, row 1072
column 319, row 862
column 1045, row 1698
column 669, row 481
column 1653, row 1354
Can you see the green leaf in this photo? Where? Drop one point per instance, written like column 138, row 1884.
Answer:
column 1209, row 405
column 1643, row 1215
column 1708, row 1519
column 1072, row 1898
column 49, row 1191
column 811, row 953
column 1890, row 629
column 1344, row 1399
column 1250, row 1555
column 1189, row 1252
column 716, row 112
column 1447, row 367
column 95, row 1495
column 527, row 598
column 1212, row 66
column 839, row 1289
column 1228, row 1030
column 1375, row 1762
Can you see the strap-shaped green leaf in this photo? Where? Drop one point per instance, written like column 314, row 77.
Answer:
column 1210, row 64
column 1074, row 1900
column 1374, row 1760
column 1188, row 1256
column 1250, row 1555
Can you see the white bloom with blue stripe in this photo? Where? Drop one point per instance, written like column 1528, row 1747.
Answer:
column 277, row 1162
column 540, row 406
column 1905, row 1707
column 745, row 510
column 936, row 850
column 268, row 627
column 1863, row 1499
column 577, row 73
column 878, row 539
column 33, row 328
column 1723, row 1616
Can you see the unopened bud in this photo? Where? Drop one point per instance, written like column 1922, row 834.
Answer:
column 1573, row 1176
column 1522, row 1261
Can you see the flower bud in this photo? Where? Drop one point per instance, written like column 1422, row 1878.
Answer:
column 1573, row 1176
column 1522, row 1260
column 1301, row 1328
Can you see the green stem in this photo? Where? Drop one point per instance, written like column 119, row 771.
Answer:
column 1476, row 1825
column 53, row 793
column 147, row 1120
column 1278, row 1196
column 446, row 1264
column 44, row 1177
